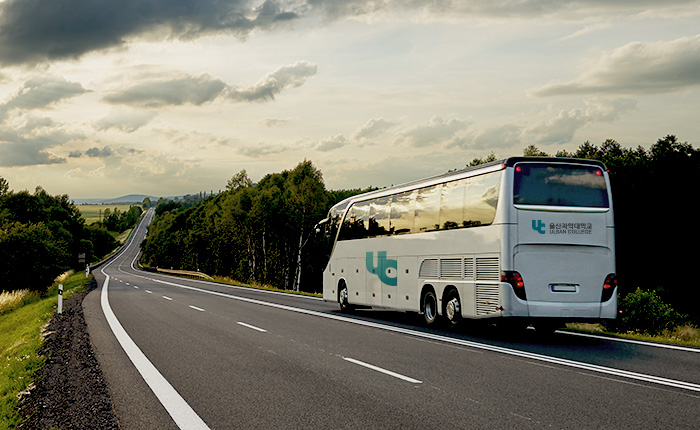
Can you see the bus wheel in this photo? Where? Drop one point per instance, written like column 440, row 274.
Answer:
column 345, row 306
column 429, row 308
column 453, row 310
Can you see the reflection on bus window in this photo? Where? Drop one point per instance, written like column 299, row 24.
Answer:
column 452, row 204
column 481, row 200
column 401, row 214
column 379, row 217
column 427, row 209
column 559, row 185
column 462, row 203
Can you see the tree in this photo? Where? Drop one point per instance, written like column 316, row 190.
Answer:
column 239, row 180
column 533, row 151
column 477, row 161
column 4, row 186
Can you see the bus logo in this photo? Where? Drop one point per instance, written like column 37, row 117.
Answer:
column 382, row 267
column 539, row 226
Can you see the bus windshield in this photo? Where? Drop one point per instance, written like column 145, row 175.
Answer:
column 553, row 184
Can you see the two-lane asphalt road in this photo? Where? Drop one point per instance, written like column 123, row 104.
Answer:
column 180, row 353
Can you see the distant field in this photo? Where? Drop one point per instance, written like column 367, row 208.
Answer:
column 92, row 213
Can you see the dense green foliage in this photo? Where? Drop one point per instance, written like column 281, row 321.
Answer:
column 645, row 312
column 41, row 236
column 262, row 233
column 120, row 221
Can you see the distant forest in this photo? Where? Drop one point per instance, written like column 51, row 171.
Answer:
column 264, row 233
column 43, row 236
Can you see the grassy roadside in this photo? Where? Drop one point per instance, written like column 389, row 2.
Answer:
column 682, row 335
column 21, row 337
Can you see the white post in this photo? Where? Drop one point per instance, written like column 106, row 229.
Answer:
column 60, row 299
column 87, row 270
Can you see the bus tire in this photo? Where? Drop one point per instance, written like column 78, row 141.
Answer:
column 453, row 309
column 429, row 307
column 345, row 306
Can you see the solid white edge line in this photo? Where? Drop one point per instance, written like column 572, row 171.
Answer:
column 180, row 411
column 384, row 371
column 261, row 330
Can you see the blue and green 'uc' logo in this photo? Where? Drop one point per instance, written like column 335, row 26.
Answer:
column 383, row 264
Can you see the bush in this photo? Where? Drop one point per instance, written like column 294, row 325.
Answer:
column 644, row 312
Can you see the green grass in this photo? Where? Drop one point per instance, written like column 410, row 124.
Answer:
column 681, row 335
column 92, row 213
column 21, row 338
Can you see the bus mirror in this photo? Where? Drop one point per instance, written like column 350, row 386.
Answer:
column 318, row 227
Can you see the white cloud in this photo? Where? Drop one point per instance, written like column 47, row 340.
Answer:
column 436, row 132
column 124, row 120
column 373, row 128
column 331, row 143
column 268, row 86
column 638, row 68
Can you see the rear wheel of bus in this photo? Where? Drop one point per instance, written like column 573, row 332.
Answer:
column 429, row 307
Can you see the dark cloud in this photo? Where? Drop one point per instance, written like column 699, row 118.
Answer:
column 29, row 144
column 96, row 152
column 35, row 31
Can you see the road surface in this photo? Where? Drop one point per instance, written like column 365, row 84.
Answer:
column 179, row 353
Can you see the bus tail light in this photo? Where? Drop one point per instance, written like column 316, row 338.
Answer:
column 516, row 281
column 609, row 287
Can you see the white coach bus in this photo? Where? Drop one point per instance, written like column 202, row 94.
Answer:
column 526, row 240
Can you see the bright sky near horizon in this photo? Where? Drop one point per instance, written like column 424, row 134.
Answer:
column 168, row 97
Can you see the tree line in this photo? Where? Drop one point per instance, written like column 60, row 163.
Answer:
column 260, row 232
column 264, row 232
column 42, row 236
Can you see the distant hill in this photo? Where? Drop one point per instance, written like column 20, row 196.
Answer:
column 131, row 198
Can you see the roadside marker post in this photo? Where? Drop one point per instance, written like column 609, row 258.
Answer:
column 87, row 270
column 60, row 299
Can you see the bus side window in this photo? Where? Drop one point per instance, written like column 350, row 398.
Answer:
column 379, row 217
column 452, row 204
column 427, row 209
column 356, row 222
column 401, row 214
column 481, row 199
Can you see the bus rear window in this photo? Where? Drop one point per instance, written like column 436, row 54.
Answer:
column 548, row 184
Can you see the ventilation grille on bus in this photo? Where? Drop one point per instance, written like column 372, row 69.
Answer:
column 487, row 269
column 451, row 268
column 429, row 268
column 468, row 268
column 488, row 299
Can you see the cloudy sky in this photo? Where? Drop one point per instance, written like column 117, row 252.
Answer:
column 101, row 98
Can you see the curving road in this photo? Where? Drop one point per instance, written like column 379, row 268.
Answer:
column 180, row 353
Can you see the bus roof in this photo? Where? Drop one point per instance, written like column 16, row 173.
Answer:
column 466, row 172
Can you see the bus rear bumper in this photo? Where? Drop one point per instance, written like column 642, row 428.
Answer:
column 514, row 307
